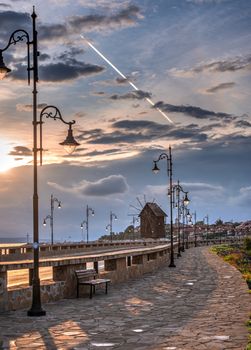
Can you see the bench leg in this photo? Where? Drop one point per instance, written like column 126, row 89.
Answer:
column 77, row 290
column 106, row 287
column 90, row 291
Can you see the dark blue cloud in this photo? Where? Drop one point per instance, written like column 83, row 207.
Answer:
column 192, row 111
column 220, row 87
column 134, row 95
column 60, row 71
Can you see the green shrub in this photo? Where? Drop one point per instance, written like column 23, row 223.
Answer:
column 247, row 243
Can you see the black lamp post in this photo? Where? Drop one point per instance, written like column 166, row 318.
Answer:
column 195, row 227
column 19, row 36
column 207, row 223
column 188, row 220
column 177, row 203
column 51, row 216
column 155, row 169
column 86, row 222
column 112, row 216
column 134, row 220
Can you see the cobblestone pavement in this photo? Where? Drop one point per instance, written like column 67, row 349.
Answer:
column 203, row 303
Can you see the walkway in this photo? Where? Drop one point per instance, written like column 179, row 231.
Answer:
column 203, row 303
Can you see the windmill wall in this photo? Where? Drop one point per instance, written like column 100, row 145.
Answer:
column 152, row 222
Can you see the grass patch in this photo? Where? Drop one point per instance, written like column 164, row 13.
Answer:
column 240, row 258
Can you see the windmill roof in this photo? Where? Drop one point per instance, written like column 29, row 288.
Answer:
column 157, row 211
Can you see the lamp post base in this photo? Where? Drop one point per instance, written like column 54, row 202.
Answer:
column 178, row 254
column 36, row 312
column 172, row 264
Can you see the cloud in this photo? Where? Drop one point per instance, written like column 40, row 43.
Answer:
column 104, row 4
column 140, row 125
column 220, row 87
column 243, row 199
column 196, row 191
column 112, row 82
column 52, row 32
column 126, row 131
column 21, row 151
column 227, row 65
column 113, row 184
column 98, row 93
column 70, row 53
column 201, row 186
column 4, row 5
column 44, row 57
column 57, row 72
column 138, row 131
column 215, row 66
column 79, row 115
column 192, row 111
column 11, row 20
column 98, row 153
column 28, row 108
column 127, row 17
column 60, row 71
column 194, row 134
column 134, row 95
column 121, row 80
column 242, row 124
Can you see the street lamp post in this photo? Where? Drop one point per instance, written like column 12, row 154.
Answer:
column 184, row 204
column 51, row 216
column 86, row 222
column 188, row 218
column 195, row 228
column 176, row 198
column 54, row 113
column 155, row 169
column 19, row 36
column 134, row 220
column 207, row 220
column 182, row 212
column 112, row 216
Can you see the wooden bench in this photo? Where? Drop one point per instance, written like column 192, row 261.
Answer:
column 88, row 278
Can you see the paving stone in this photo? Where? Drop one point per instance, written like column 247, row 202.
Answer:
column 202, row 304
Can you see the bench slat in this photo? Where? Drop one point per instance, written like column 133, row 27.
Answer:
column 82, row 279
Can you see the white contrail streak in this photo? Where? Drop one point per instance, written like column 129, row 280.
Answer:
column 124, row 77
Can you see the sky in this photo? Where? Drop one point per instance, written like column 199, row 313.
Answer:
column 192, row 58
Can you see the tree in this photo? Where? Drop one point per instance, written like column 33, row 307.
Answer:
column 200, row 223
column 218, row 222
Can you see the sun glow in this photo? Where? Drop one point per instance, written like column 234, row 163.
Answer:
column 8, row 161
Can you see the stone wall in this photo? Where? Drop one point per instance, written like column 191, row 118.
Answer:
column 20, row 298
column 118, row 266
column 139, row 265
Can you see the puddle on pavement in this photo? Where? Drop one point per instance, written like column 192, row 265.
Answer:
column 103, row 344
column 221, row 337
